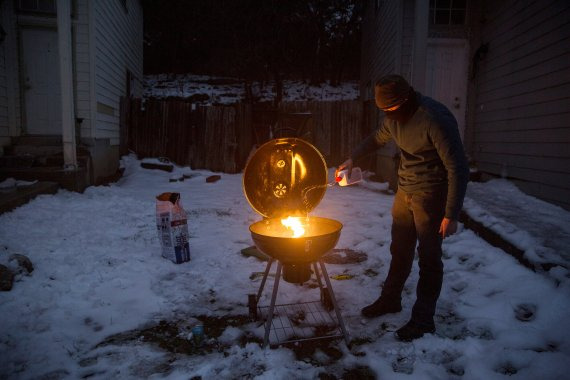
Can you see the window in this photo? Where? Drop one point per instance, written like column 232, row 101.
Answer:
column 447, row 12
column 37, row 6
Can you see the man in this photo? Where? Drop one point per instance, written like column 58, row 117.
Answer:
column 432, row 179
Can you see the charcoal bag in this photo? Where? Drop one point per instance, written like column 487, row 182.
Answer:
column 172, row 226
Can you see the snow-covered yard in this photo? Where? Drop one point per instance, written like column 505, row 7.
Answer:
column 103, row 304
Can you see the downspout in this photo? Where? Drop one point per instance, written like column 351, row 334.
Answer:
column 66, row 81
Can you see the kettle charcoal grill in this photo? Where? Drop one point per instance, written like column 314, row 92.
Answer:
column 288, row 177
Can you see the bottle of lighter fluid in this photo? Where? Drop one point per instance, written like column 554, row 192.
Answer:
column 344, row 180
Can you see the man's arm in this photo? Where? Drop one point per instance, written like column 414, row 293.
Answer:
column 366, row 146
column 445, row 136
column 370, row 144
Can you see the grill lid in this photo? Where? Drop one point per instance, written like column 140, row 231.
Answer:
column 285, row 177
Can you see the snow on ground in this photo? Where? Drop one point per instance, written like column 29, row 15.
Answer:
column 207, row 90
column 10, row 183
column 540, row 229
column 98, row 273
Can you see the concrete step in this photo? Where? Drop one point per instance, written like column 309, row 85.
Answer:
column 74, row 180
column 21, row 161
column 10, row 199
column 38, row 140
column 30, row 160
column 40, row 150
column 35, row 150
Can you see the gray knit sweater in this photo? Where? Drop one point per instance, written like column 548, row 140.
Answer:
column 432, row 155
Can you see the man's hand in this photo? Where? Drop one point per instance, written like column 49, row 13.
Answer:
column 345, row 165
column 448, row 227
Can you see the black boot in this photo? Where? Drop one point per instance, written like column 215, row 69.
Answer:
column 381, row 307
column 413, row 330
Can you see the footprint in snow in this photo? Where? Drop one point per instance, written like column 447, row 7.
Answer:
column 459, row 286
column 525, row 312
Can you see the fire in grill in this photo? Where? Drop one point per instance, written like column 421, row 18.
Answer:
column 296, row 253
column 283, row 181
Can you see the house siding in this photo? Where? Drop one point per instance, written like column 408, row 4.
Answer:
column 10, row 119
column 380, row 44
column 118, row 48
column 407, row 39
column 522, row 110
column 387, row 33
column 82, row 68
column 4, row 126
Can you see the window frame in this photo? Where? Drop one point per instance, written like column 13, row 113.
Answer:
column 450, row 9
column 35, row 11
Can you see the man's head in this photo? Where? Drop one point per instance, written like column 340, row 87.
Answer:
column 395, row 97
column 391, row 91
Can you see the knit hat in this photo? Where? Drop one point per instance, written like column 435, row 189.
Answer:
column 390, row 91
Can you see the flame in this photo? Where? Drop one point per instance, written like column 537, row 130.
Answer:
column 294, row 224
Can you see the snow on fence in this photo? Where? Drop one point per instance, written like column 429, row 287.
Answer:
column 220, row 138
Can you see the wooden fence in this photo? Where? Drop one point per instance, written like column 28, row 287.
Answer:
column 220, row 138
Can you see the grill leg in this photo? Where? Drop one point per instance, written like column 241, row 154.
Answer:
column 267, row 268
column 333, row 299
column 325, row 298
column 318, row 276
column 272, row 305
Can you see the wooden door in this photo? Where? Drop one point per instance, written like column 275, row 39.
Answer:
column 40, row 74
column 446, row 75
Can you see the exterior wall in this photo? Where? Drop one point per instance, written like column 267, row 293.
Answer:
column 82, row 68
column 4, row 126
column 407, row 39
column 381, row 42
column 367, row 50
column 521, row 119
column 107, row 41
column 383, row 33
column 10, row 120
column 118, row 43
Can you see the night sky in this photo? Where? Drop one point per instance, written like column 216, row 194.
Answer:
column 254, row 39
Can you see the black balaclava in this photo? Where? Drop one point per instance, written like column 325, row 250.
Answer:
column 406, row 110
column 393, row 90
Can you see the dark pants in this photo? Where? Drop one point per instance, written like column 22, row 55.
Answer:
column 417, row 218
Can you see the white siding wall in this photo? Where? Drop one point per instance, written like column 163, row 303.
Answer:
column 118, row 47
column 522, row 111
column 4, row 126
column 383, row 33
column 407, row 39
column 82, row 67
column 379, row 43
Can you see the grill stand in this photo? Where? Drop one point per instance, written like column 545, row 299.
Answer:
column 306, row 306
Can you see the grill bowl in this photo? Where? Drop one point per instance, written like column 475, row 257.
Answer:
column 273, row 239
